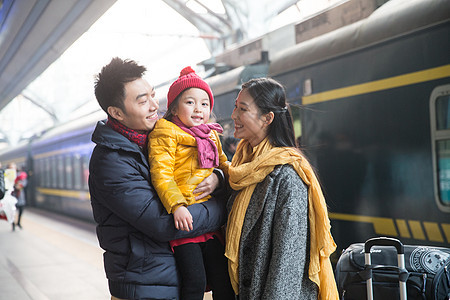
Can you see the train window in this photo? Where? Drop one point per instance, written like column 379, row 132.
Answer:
column 49, row 171
column 440, row 134
column 42, row 173
column 38, row 172
column 60, row 171
column 36, row 169
column 296, row 120
column 77, row 171
column 85, row 170
column 46, row 172
column 53, row 172
column 68, row 168
column 443, row 113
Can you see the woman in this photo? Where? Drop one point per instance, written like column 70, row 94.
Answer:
column 19, row 192
column 278, row 233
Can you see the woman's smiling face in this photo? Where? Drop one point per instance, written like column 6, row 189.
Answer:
column 249, row 124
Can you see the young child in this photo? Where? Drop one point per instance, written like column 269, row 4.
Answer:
column 183, row 150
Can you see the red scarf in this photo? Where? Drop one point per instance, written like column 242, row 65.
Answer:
column 208, row 155
column 136, row 136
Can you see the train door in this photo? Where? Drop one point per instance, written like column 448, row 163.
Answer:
column 440, row 144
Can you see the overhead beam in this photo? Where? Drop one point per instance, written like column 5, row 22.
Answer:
column 34, row 33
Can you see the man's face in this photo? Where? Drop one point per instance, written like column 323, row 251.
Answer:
column 141, row 106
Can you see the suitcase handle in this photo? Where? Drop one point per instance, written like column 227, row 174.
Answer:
column 384, row 241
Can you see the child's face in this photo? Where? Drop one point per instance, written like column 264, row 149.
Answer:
column 193, row 107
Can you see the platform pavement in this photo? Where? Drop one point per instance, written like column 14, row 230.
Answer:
column 52, row 258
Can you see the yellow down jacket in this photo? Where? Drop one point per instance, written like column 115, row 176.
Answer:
column 174, row 167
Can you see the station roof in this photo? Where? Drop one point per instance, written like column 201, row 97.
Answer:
column 34, row 33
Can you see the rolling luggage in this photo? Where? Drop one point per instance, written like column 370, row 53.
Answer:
column 387, row 269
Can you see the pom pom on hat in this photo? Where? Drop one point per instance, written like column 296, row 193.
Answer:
column 186, row 71
column 188, row 79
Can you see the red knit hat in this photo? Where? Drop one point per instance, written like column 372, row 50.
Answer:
column 188, row 79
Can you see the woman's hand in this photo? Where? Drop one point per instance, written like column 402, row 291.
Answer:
column 183, row 219
column 207, row 186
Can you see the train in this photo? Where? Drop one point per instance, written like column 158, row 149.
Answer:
column 371, row 109
column 57, row 164
column 375, row 121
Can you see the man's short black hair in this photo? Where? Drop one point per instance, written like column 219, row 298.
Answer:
column 110, row 82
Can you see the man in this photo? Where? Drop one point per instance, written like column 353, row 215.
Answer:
column 133, row 226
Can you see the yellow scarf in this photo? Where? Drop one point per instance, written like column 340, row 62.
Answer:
column 251, row 166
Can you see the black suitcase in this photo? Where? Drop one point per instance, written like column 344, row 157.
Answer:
column 426, row 271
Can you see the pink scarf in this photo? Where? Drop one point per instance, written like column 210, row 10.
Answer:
column 208, row 155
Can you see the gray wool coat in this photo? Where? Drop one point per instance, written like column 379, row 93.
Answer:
column 274, row 245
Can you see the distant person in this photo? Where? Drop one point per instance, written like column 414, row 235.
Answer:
column 184, row 148
column 132, row 225
column 10, row 176
column 229, row 146
column 9, row 201
column 278, row 238
column 2, row 192
column 19, row 192
column 2, row 182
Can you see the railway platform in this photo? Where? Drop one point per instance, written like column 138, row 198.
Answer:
column 52, row 257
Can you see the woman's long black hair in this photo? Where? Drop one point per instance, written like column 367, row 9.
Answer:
column 270, row 96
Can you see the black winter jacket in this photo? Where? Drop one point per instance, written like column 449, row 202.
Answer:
column 132, row 225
